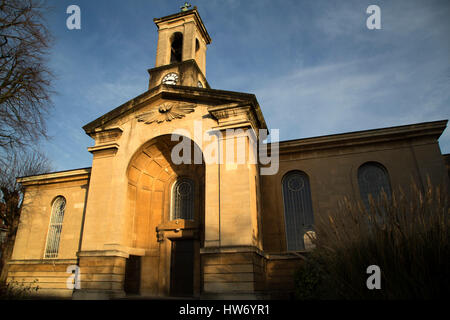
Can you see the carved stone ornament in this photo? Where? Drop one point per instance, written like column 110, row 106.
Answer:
column 165, row 112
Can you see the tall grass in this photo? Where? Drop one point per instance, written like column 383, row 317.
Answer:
column 408, row 237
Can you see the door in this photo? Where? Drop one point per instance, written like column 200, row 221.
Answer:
column 182, row 268
column 132, row 275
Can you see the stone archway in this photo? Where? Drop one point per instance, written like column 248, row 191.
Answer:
column 151, row 175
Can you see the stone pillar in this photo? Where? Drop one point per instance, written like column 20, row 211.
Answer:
column 163, row 48
column 232, row 263
column 232, row 273
column 189, row 41
column 100, row 201
column 102, row 274
column 212, row 206
column 102, row 256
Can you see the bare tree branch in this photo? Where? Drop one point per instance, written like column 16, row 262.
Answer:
column 25, row 80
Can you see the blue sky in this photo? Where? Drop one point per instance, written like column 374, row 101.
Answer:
column 314, row 66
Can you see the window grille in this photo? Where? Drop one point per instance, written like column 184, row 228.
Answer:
column 373, row 179
column 298, row 211
column 55, row 228
column 183, row 199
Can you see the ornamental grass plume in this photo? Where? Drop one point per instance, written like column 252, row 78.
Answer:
column 406, row 234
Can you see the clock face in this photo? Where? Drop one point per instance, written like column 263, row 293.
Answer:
column 199, row 84
column 170, row 78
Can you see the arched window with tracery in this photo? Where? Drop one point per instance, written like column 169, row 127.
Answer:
column 55, row 227
column 183, row 199
column 373, row 179
column 298, row 212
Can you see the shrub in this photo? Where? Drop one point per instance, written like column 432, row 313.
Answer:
column 408, row 237
column 14, row 290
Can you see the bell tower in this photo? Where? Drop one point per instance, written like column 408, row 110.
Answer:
column 181, row 51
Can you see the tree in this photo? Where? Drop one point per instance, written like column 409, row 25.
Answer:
column 25, row 80
column 18, row 164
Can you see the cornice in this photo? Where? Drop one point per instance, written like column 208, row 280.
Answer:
column 237, row 115
column 113, row 147
column 177, row 15
column 192, row 62
column 61, row 176
column 426, row 129
column 182, row 93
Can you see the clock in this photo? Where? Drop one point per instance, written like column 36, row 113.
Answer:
column 200, row 84
column 170, row 78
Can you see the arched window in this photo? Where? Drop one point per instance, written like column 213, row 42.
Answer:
column 197, row 45
column 55, row 228
column 176, row 47
column 183, row 199
column 298, row 212
column 373, row 179
column 197, row 50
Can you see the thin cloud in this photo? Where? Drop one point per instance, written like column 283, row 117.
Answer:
column 313, row 65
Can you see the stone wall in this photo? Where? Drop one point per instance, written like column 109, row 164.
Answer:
column 50, row 277
column 101, row 277
column 236, row 274
column 332, row 163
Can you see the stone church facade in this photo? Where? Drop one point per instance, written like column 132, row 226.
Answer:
column 136, row 222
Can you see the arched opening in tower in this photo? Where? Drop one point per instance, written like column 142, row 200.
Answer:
column 176, row 48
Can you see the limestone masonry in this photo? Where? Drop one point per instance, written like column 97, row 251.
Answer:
column 137, row 223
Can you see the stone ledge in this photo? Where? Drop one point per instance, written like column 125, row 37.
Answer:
column 229, row 287
column 113, row 147
column 232, row 249
column 129, row 250
column 44, row 261
column 103, row 253
column 76, row 174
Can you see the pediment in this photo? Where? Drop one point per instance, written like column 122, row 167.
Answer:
column 173, row 102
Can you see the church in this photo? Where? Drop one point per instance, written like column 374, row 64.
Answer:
column 170, row 206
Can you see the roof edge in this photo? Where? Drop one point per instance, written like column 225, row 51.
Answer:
column 193, row 11
column 432, row 128
column 168, row 90
column 54, row 175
